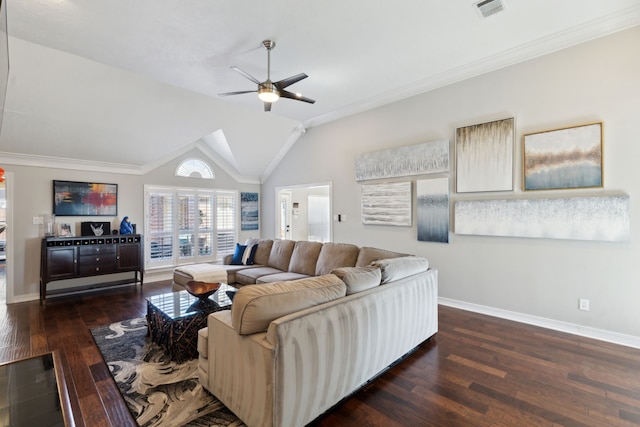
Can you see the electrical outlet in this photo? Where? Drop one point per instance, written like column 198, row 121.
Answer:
column 583, row 304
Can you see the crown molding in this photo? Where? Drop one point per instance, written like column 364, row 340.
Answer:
column 65, row 163
column 296, row 133
column 595, row 29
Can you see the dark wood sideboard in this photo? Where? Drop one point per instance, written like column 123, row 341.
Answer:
column 76, row 257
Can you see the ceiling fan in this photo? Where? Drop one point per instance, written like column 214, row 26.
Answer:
column 268, row 91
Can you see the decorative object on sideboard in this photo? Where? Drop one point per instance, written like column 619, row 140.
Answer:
column 65, row 230
column 84, row 199
column 125, row 226
column 89, row 228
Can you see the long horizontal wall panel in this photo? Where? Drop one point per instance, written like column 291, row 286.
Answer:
column 421, row 159
column 603, row 218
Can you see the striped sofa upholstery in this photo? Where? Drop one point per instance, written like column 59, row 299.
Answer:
column 309, row 360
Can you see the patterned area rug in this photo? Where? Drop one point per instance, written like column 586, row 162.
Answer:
column 158, row 392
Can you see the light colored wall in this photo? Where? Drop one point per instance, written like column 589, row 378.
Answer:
column 33, row 197
column 595, row 81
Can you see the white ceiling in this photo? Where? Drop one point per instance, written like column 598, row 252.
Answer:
column 133, row 83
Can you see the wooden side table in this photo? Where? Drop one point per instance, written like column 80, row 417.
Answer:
column 174, row 319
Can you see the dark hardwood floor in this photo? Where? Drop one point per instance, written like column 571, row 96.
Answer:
column 477, row 371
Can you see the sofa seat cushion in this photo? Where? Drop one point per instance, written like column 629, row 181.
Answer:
column 248, row 276
column 336, row 255
column 401, row 267
column 359, row 279
column 200, row 272
column 254, row 307
column 280, row 277
column 233, row 269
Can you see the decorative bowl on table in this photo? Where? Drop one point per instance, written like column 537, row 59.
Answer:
column 201, row 290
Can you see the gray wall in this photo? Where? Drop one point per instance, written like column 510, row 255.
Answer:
column 596, row 81
column 33, row 197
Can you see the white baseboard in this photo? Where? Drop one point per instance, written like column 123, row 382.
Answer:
column 571, row 328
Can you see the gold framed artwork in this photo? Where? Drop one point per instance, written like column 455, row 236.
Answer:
column 563, row 158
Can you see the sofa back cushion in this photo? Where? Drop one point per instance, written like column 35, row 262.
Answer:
column 281, row 254
column 359, row 279
column 336, row 255
column 255, row 306
column 304, row 257
column 262, row 251
column 398, row 268
column 367, row 255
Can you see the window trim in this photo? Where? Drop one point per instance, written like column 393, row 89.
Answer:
column 175, row 191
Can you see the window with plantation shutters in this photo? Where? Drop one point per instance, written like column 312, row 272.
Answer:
column 187, row 225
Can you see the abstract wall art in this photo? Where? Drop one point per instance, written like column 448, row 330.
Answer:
column 386, row 204
column 84, row 199
column 433, row 210
column 484, row 157
column 604, row 218
column 563, row 158
column 249, row 211
column 420, row 159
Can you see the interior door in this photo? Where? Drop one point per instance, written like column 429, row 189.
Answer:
column 284, row 215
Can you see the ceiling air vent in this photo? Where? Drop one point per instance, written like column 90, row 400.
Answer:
column 487, row 8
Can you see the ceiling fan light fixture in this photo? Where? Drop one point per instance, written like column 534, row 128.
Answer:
column 268, row 92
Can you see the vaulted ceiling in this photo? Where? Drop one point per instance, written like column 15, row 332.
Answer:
column 129, row 84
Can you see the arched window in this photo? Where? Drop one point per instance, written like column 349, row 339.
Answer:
column 195, row 168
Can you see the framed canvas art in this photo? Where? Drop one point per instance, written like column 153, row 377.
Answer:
column 387, row 204
column 249, row 211
column 72, row 198
column 563, row 158
column 484, row 157
column 433, row 210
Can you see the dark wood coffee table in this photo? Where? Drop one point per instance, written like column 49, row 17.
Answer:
column 174, row 319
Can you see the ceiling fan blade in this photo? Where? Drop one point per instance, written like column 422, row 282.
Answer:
column 290, row 80
column 267, row 106
column 290, row 95
column 247, row 75
column 237, row 93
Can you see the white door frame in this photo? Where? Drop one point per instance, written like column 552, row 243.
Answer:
column 8, row 191
column 302, row 186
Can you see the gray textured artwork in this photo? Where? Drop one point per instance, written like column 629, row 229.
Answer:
column 484, row 157
column 387, row 204
column 420, row 159
column 603, row 218
column 433, row 210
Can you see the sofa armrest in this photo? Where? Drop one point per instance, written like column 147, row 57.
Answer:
column 238, row 366
column 227, row 259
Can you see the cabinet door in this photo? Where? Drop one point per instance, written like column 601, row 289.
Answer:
column 61, row 263
column 128, row 257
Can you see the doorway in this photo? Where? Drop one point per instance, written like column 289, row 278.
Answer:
column 3, row 243
column 304, row 212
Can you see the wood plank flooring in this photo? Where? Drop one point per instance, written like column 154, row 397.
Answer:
column 477, row 371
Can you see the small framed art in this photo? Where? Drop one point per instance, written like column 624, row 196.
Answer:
column 563, row 158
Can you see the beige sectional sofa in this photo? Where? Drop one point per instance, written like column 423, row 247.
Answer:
column 289, row 350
